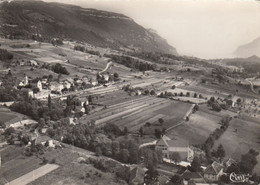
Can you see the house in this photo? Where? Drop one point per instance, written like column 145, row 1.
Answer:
column 55, row 86
column 32, row 63
column 106, row 77
column 67, row 84
column 44, row 129
column 195, row 152
column 137, row 176
column 24, row 82
column 44, row 80
column 169, row 146
column 228, row 162
column 138, row 92
column 83, row 101
column 213, row 171
column 38, row 85
column 94, row 82
column 187, row 175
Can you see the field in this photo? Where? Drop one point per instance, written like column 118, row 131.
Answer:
column 35, row 174
column 199, row 126
column 15, row 165
column 134, row 111
column 241, row 135
column 8, row 117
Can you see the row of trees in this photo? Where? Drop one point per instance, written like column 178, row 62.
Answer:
column 37, row 109
column 131, row 62
column 58, row 68
column 5, row 55
column 86, row 50
column 215, row 135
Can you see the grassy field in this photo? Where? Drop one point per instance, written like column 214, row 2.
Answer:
column 246, row 137
column 9, row 117
column 199, row 126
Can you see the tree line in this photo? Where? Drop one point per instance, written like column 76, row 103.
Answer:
column 131, row 62
column 5, row 55
column 86, row 50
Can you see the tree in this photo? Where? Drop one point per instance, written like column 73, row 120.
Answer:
column 125, row 131
column 248, row 161
column 141, row 131
column 2, row 124
column 177, row 180
column 220, row 151
column 123, row 156
column 151, row 175
column 239, row 100
column 233, row 168
column 175, row 156
column 173, row 87
column 195, row 165
column 49, row 103
column 161, row 121
column 98, row 151
column 152, row 92
column 90, row 99
column 216, row 107
column 157, row 133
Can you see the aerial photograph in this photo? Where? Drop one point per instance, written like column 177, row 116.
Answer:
column 129, row 92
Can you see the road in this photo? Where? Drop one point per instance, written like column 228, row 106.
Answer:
column 33, row 175
column 251, row 85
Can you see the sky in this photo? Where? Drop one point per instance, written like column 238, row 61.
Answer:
column 199, row 28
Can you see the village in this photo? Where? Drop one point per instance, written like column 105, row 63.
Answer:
column 185, row 123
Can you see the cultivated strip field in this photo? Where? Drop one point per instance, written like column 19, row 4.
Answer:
column 31, row 176
column 134, row 111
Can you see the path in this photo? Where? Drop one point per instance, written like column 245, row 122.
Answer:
column 33, row 175
column 148, row 144
column 252, row 86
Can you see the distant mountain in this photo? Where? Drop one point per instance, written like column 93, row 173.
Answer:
column 250, row 64
column 23, row 19
column 247, row 50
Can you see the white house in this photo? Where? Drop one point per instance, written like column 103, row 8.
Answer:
column 39, row 85
column 213, row 171
column 169, row 146
column 66, row 84
column 55, row 86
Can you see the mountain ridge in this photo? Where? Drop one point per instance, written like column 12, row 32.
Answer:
column 249, row 49
column 97, row 27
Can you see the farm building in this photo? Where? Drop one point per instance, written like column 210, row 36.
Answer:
column 55, row 86
column 168, row 146
column 24, row 82
column 194, row 176
column 213, row 171
column 38, row 85
column 66, row 84
column 137, row 176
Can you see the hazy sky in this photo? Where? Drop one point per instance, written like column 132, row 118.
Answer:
column 201, row 28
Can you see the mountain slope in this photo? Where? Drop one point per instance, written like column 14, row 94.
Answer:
column 22, row 19
column 250, row 49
